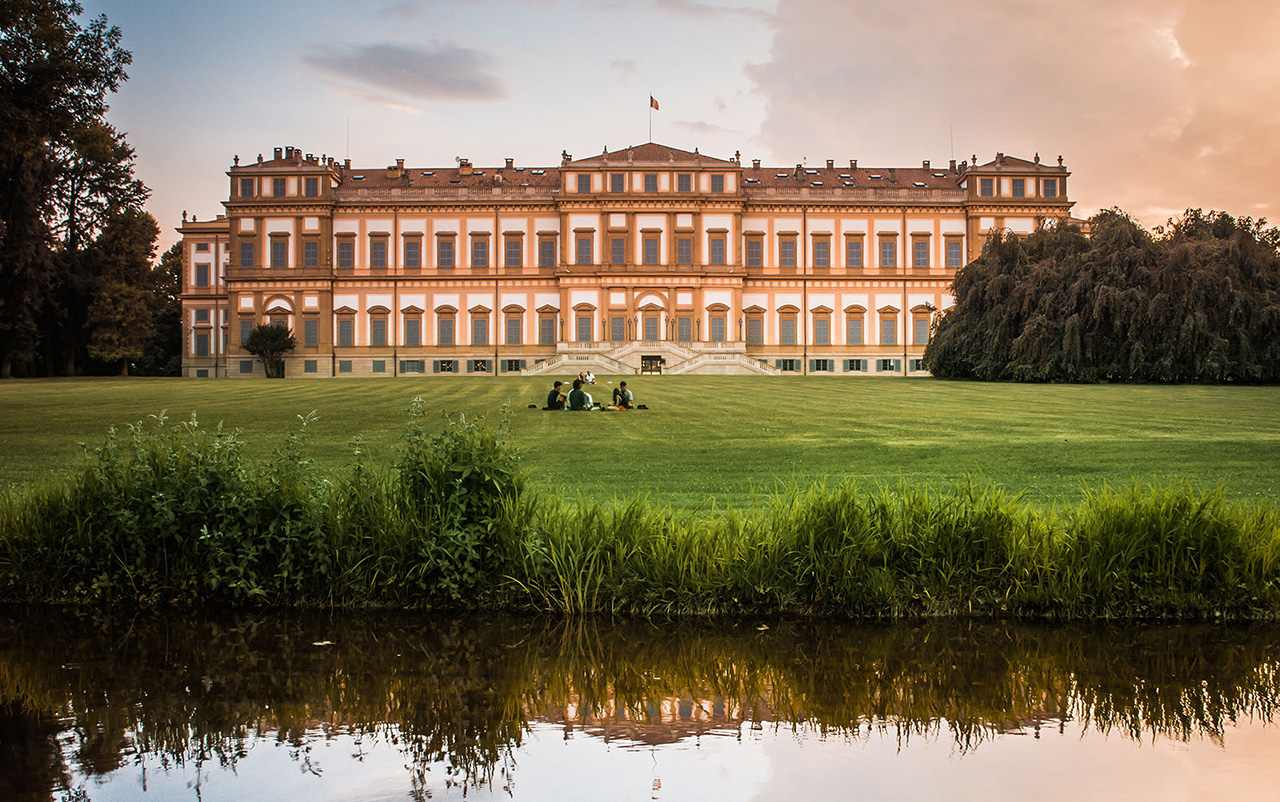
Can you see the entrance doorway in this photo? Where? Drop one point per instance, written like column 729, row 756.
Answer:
column 652, row 364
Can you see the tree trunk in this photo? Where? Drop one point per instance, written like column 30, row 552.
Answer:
column 6, row 367
column 124, row 367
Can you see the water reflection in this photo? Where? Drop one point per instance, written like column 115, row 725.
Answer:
column 83, row 696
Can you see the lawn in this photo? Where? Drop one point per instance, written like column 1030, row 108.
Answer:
column 714, row 439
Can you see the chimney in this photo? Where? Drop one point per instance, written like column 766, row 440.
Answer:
column 279, row 151
column 831, row 164
column 346, row 164
column 511, row 163
column 953, row 165
column 853, row 164
column 464, row 167
column 925, row 164
column 893, row 175
column 799, row 171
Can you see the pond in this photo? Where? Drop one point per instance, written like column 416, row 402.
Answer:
column 380, row 706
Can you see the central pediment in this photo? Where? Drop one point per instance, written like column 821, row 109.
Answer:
column 650, row 154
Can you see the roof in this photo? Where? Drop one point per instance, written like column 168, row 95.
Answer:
column 650, row 153
column 1003, row 163
column 845, row 177
column 449, row 177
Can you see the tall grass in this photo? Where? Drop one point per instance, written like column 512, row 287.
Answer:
column 169, row 512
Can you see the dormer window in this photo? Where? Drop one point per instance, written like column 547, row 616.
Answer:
column 1019, row 187
column 584, row 182
column 987, row 187
column 684, row 182
column 650, row 182
column 246, row 187
column 617, row 182
column 277, row 187
column 357, row 178
column 921, row 184
column 717, row 183
column 1050, row 188
column 311, row 186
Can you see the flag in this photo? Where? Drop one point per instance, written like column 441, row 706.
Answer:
column 653, row 104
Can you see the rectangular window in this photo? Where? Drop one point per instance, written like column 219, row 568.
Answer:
column 888, row 252
column 412, row 331
column 987, row 187
column 916, row 364
column 346, row 254
column 445, row 366
column 853, row 252
column 1019, row 187
column 755, row 252
column 684, row 251
column 279, row 252
column 717, row 328
column 246, row 366
column 412, row 254
column 444, row 252
column 955, row 256
column 378, row 366
column 888, row 365
column 311, row 254
column 346, row 332
column 344, row 365
column 246, row 328
column 310, row 366
column 617, row 251
column 920, row 253
column 513, row 256
column 546, row 252
column 477, row 366
column 202, row 275
column 920, row 329
column 650, row 182
column 378, row 253
column 853, row 329
column 684, row 329
column 246, row 188
column 684, row 182
column 202, row 247
column 650, row 327
column 512, row 365
column 584, row 182
column 277, row 187
column 310, row 333
column 787, row 253
column 617, row 182
column 444, row 330
column 584, row 328
column 617, row 329
column 1050, row 188
column 584, row 251
column 546, row 330
column 755, row 330
column 650, row 250
column 855, row 365
column 311, row 186
column 888, row 330
column 413, row 366
column 515, row 330
column 479, row 252
column 246, row 255
column 821, row 365
column 717, row 184
column 202, row 344
column 822, row 330
column 787, row 331
column 480, row 330
column 788, row 365
column 378, row 332
column 717, row 250
column 821, row 253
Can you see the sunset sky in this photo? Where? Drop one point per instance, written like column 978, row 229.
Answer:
column 1156, row 105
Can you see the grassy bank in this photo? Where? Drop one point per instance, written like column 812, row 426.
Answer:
column 176, row 513
column 714, row 440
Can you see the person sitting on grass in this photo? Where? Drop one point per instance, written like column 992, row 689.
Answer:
column 621, row 397
column 579, row 399
column 555, row 398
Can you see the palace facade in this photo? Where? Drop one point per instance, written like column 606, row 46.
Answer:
column 645, row 259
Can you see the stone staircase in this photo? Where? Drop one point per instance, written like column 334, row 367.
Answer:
column 624, row 359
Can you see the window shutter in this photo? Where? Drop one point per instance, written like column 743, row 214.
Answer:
column 435, row 366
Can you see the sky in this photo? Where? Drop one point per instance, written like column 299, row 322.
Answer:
column 1155, row 105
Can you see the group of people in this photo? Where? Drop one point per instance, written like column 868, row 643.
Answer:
column 579, row 400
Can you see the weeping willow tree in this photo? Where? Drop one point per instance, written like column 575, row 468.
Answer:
column 1197, row 301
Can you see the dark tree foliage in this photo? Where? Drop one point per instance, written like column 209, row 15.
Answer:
column 162, row 355
column 61, row 167
column 269, row 343
column 120, row 315
column 1197, row 302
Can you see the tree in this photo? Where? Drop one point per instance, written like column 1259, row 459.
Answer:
column 269, row 343
column 1197, row 302
column 120, row 316
column 162, row 355
column 54, row 79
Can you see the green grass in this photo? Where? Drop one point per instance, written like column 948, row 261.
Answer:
column 714, row 440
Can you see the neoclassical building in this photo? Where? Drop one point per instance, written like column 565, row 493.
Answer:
column 645, row 259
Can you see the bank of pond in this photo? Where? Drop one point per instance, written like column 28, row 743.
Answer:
column 169, row 512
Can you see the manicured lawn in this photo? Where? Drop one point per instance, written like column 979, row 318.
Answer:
column 714, row 439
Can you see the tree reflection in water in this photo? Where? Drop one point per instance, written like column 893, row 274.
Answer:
column 87, row 694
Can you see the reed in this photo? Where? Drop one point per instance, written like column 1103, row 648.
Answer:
column 167, row 512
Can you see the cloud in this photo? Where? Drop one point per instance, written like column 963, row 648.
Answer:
column 696, row 10
column 434, row 71
column 626, row 67
column 701, row 127
column 377, row 100
column 1155, row 104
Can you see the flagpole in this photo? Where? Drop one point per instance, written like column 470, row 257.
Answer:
column 650, row 118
